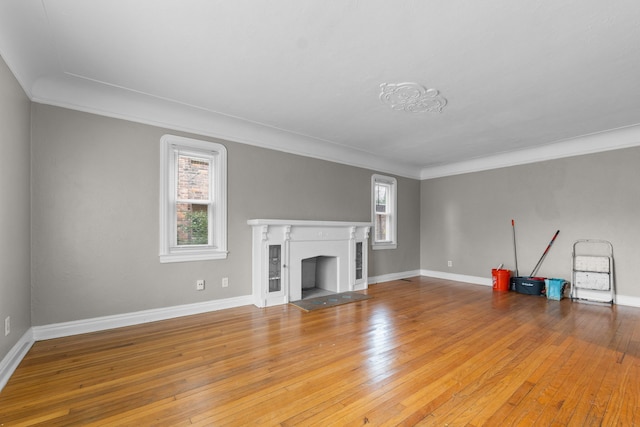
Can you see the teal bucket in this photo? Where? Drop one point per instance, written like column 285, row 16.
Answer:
column 555, row 288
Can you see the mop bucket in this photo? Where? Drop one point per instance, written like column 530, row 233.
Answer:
column 528, row 285
column 501, row 279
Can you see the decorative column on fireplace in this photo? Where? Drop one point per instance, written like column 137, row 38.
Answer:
column 280, row 246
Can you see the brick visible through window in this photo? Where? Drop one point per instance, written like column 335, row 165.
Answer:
column 193, row 220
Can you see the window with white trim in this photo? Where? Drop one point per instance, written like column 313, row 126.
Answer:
column 383, row 201
column 193, row 200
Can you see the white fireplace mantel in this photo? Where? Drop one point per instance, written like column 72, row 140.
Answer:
column 279, row 246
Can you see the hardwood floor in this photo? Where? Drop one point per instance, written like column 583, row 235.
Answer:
column 420, row 352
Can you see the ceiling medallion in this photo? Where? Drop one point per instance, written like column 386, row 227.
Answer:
column 412, row 98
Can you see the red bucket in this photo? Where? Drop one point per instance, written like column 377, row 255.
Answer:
column 501, row 279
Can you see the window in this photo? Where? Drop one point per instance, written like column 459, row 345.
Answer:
column 193, row 212
column 384, row 212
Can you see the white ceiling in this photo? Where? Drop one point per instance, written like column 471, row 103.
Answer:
column 523, row 79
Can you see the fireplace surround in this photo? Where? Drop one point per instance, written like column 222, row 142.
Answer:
column 280, row 247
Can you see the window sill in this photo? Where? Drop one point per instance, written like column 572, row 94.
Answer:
column 186, row 257
column 377, row 246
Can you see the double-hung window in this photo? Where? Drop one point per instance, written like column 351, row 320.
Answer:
column 193, row 211
column 384, row 216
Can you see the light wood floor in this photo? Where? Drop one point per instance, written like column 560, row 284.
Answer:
column 420, row 352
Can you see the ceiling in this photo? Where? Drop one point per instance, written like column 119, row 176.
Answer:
column 522, row 80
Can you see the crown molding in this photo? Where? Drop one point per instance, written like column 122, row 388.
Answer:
column 98, row 98
column 111, row 101
column 614, row 139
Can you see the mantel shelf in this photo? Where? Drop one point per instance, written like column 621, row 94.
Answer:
column 307, row 223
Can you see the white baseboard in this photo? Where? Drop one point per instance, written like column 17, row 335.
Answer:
column 458, row 277
column 628, row 301
column 84, row 326
column 11, row 361
column 392, row 276
column 619, row 299
column 38, row 333
column 605, row 297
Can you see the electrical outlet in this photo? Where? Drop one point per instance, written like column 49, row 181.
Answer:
column 200, row 285
column 450, row 263
column 225, row 282
column 7, row 326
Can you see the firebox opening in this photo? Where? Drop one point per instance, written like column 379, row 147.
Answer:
column 319, row 276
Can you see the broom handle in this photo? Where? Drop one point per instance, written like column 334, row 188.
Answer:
column 535, row 269
column 515, row 253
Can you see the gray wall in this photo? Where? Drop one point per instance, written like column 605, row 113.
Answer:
column 15, row 280
column 467, row 218
column 95, row 216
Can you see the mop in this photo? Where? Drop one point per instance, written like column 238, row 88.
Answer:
column 515, row 252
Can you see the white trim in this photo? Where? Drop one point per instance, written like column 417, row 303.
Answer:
column 186, row 256
column 307, row 223
column 392, row 204
column 458, row 277
column 11, row 361
column 614, row 139
column 217, row 154
column 625, row 300
column 381, row 246
column 298, row 240
column 57, row 330
column 303, row 145
column 393, row 276
column 596, row 296
column 107, row 100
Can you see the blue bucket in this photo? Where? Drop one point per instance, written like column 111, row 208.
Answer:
column 555, row 288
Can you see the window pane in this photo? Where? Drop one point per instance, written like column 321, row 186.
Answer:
column 383, row 201
column 358, row 260
column 275, row 284
column 193, row 178
column 381, row 228
column 381, row 198
column 193, row 224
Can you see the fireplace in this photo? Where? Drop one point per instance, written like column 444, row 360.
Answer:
column 291, row 254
